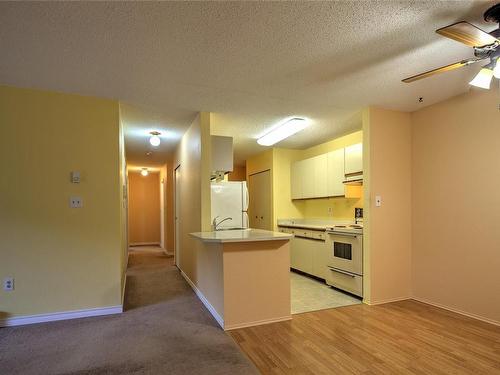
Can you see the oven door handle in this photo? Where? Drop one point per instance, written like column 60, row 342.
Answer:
column 342, row 272
column 344, row 234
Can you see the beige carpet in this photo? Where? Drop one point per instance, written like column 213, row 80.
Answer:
column 165, row 330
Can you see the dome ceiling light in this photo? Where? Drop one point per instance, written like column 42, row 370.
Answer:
column 155, row 138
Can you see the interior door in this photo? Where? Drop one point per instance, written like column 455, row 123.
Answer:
column 177, row 209
column 260, row 205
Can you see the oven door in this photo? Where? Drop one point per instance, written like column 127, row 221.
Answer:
column 346, row 252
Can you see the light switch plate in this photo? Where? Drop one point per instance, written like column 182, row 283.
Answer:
column 76, row 202
column 75, row 177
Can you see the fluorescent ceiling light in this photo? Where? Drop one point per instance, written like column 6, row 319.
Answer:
column 155, row 139
column 496, row 71
column 483, row 78
column 283, row 131
column 144, row 172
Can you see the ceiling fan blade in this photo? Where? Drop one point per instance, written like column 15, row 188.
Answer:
column 468, row 34
column 442, row 69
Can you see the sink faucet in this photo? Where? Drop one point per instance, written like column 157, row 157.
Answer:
column 215, row 224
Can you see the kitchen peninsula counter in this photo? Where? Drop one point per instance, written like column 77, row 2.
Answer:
column 243, row 276
column 241, row 235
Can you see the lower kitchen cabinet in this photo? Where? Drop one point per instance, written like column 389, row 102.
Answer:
column 320, row 260
column 301, row 250
column 309, row 256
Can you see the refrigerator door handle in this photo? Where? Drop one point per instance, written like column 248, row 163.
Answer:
column 247, row 198
column 246, row 220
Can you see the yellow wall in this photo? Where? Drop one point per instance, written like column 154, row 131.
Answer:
column 61, row 258
column 260, row 162
column 166, row 175
column 387, row 233
column 123, row 205
column 193, row 155
column 283, row 206
column 456, row 200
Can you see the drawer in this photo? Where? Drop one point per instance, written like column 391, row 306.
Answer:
column 302, row 233
column 318, row 235
column 350, row 283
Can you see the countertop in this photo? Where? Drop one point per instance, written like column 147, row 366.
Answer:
column 320, row 225
column 305, row 226
column 241, row 235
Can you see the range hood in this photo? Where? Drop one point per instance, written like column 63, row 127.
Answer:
column 353, row 179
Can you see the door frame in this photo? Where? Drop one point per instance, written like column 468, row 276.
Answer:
column 177, row 207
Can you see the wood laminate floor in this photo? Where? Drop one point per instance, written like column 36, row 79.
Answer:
column 406, row 337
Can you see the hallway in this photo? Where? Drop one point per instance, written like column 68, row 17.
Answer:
column 164, row 329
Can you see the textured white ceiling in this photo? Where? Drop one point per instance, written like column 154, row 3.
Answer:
column 250, row 63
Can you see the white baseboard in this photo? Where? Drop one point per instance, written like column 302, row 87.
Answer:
column 389, row 300
column 144, row 244
column 204, row 300
column 258, row 323
column 64, row 315
column 457, row 311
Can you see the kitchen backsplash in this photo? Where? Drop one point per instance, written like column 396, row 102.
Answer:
column 331, row 208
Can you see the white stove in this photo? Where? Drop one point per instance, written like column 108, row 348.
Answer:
column 345, row 258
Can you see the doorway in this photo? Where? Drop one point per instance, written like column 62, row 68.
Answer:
column 144, row 211
column 260, row 204
column 177, row 209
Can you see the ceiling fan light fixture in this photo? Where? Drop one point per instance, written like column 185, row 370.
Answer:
column 285, row 130
column 496, row 71
column 483, row 79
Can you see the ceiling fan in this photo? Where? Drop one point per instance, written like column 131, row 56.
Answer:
column 485, row 45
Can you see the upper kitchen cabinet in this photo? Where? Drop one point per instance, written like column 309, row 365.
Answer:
column 354, row 159
column 324, row 175
column 335, row 173
column 296, row 173
column 308, row 166
column 308, row 178
column 320, row 165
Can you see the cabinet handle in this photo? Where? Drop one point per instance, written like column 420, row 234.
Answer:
column 340, row 271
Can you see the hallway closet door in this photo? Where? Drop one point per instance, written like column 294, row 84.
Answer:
column 260, row 204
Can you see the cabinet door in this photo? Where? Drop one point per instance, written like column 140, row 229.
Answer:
column 320, row 176
column 354, row 159
column 320, row 259
column 260, row 207
column 335, row 173
column 307, row 172
column 301, row 254
column 296, row 179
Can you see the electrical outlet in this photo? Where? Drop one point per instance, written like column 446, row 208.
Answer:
column 76, row 202
column 330, row 211
column 8, row 284
column 378, row 201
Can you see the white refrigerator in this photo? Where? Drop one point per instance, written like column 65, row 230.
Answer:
column 230, row 200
